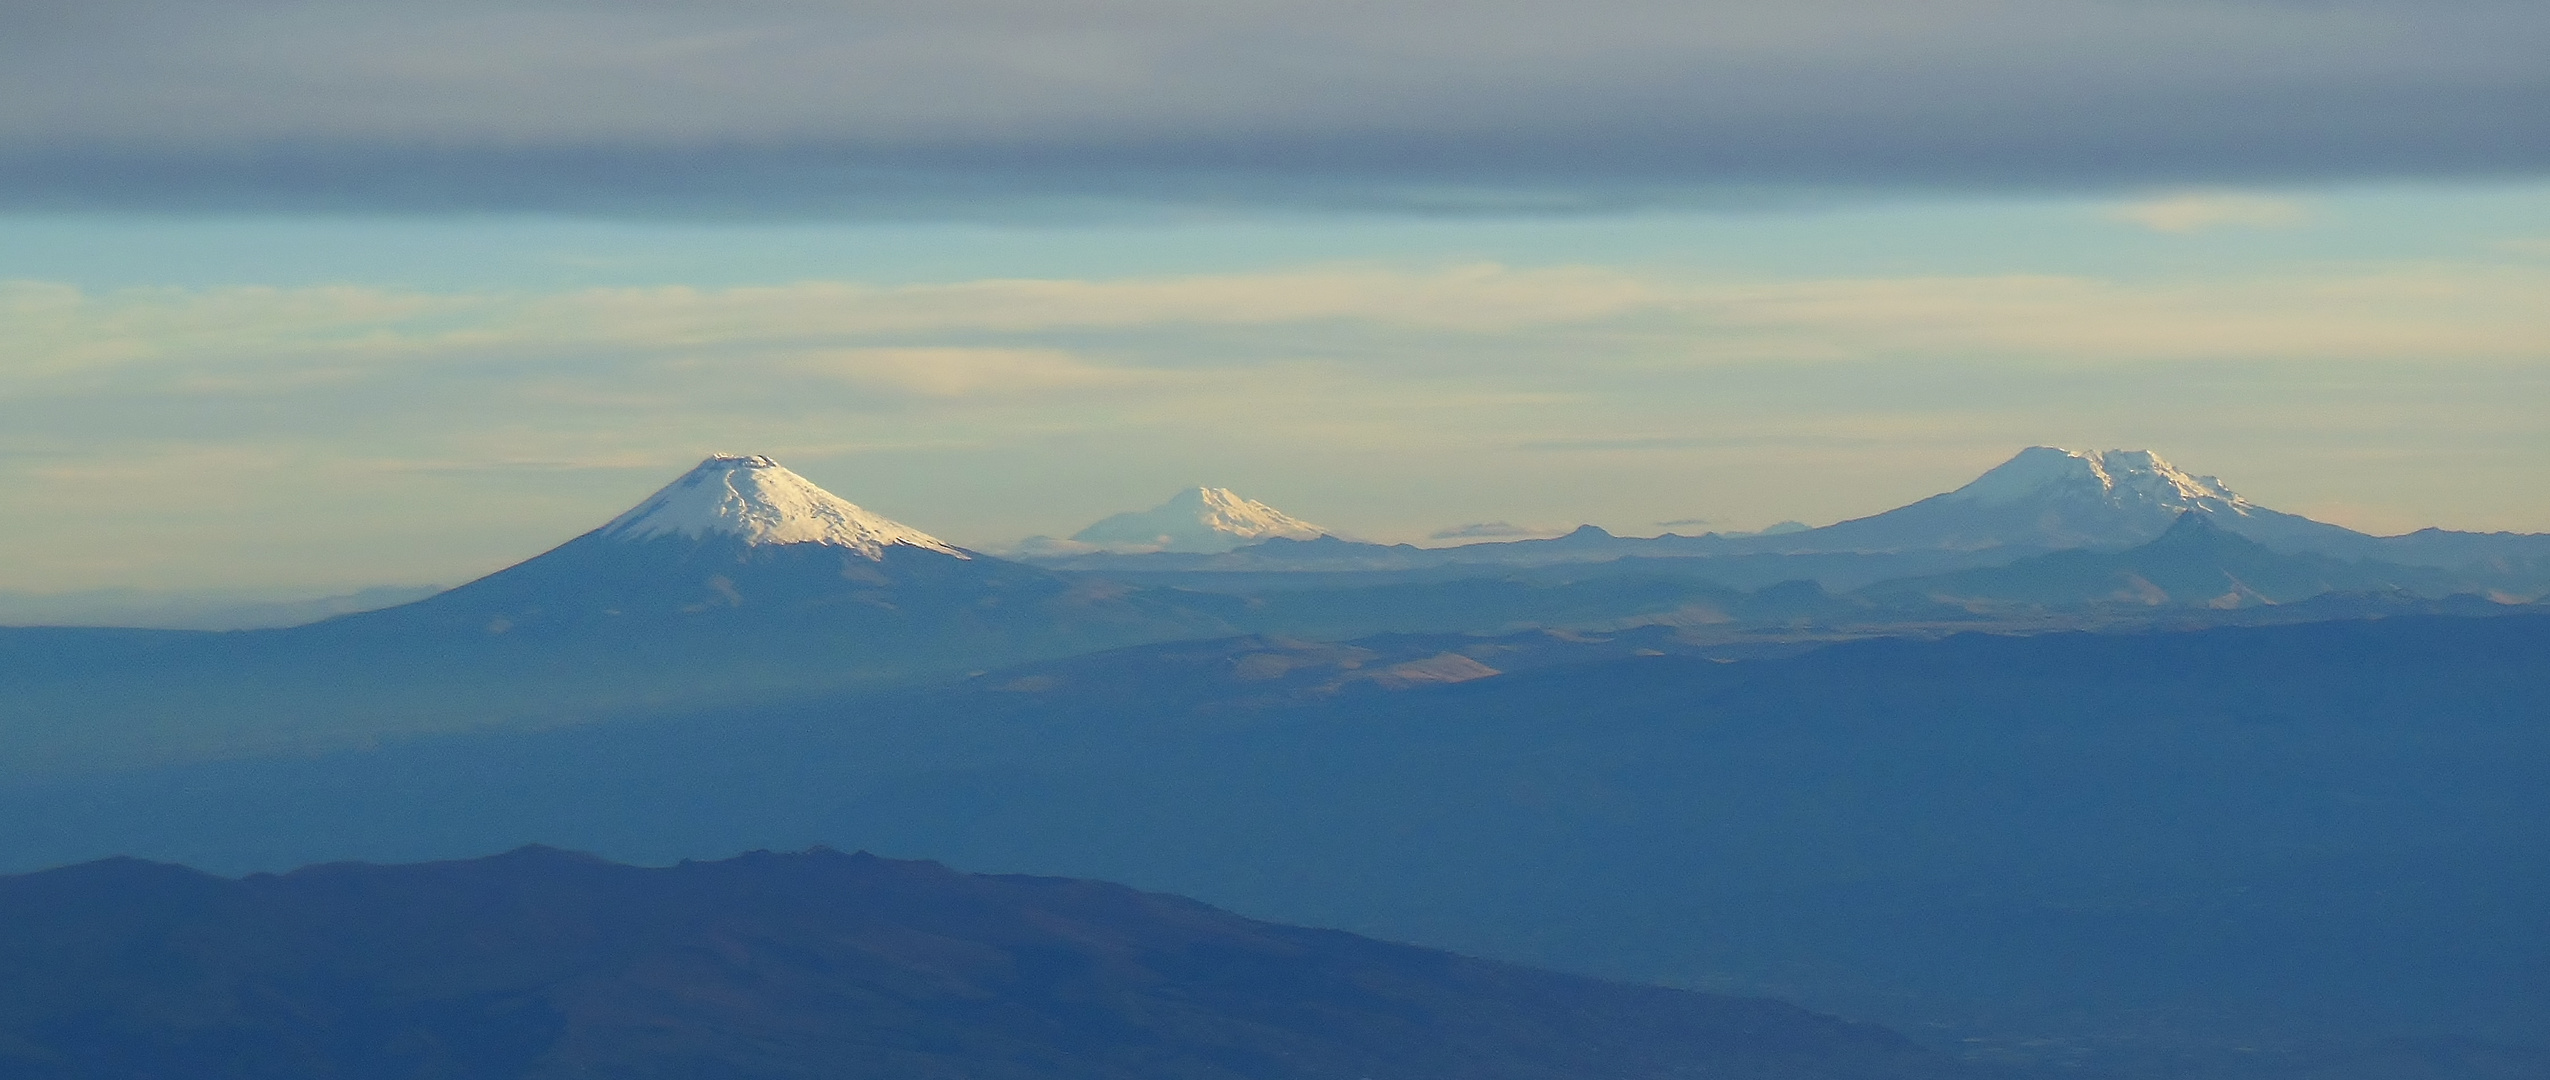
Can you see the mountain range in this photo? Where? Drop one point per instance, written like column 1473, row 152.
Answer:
column 542, row 964
column 741, row 581
column 2196, row 573
column 1212, row 539
column 2198, row 562
column 2042, row 499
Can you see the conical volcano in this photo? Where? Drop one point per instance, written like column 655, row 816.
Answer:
column 2050, row 497
column 743, row 546
column 1198, row 519
column 740, row 581
column 744, row 560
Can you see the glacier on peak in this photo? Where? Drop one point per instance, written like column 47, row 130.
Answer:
column 759, row 501
column 2118, row 478
column 1198, row 519
column 2050, row 497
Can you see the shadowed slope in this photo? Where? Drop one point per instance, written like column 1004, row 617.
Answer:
column 2197, row 563
column 540, row 963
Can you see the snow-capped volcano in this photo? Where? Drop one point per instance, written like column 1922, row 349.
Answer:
column 2123, row 479
column 2050, row 497
column 758, row 501
column 739, row 582
column 1198, row 519
column 741, row 558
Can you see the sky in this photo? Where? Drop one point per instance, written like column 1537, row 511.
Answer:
column 305, row 297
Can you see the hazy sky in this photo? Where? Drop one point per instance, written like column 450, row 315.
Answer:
column 314, row 295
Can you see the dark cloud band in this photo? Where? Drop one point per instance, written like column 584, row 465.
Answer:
column 974, row 106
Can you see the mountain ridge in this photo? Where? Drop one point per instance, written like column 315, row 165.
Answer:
column 540, row 963
column 2041, row 499
column 2197, row 562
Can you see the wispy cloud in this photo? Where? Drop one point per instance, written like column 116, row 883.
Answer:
column 240, row 338
column 2433, row 312
column 1481, row 298
column 961, row 372
column 1007, row 337
column 1492, row 530
column 2197, row 212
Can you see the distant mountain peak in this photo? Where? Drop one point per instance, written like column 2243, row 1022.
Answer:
column 1198, row 519
column 2193, row 522
column 2125, row 479
column 2051, row 497
column 760, row 502
column 2195, row 529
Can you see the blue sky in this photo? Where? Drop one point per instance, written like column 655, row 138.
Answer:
column 296, row 299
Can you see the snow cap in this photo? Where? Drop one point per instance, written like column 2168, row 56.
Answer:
column 2115, row 477
column 758, row 501
column 1198, row 519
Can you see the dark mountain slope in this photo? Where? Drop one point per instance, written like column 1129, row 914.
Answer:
column 2197, row 563
column 627, row 627
column 902, row 610
column 541, row 964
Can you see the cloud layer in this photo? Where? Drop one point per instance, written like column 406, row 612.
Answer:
column 798, row 106
column 340, row 435
column 1007, row 337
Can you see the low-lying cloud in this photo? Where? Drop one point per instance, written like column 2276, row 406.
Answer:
column 763, row 107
